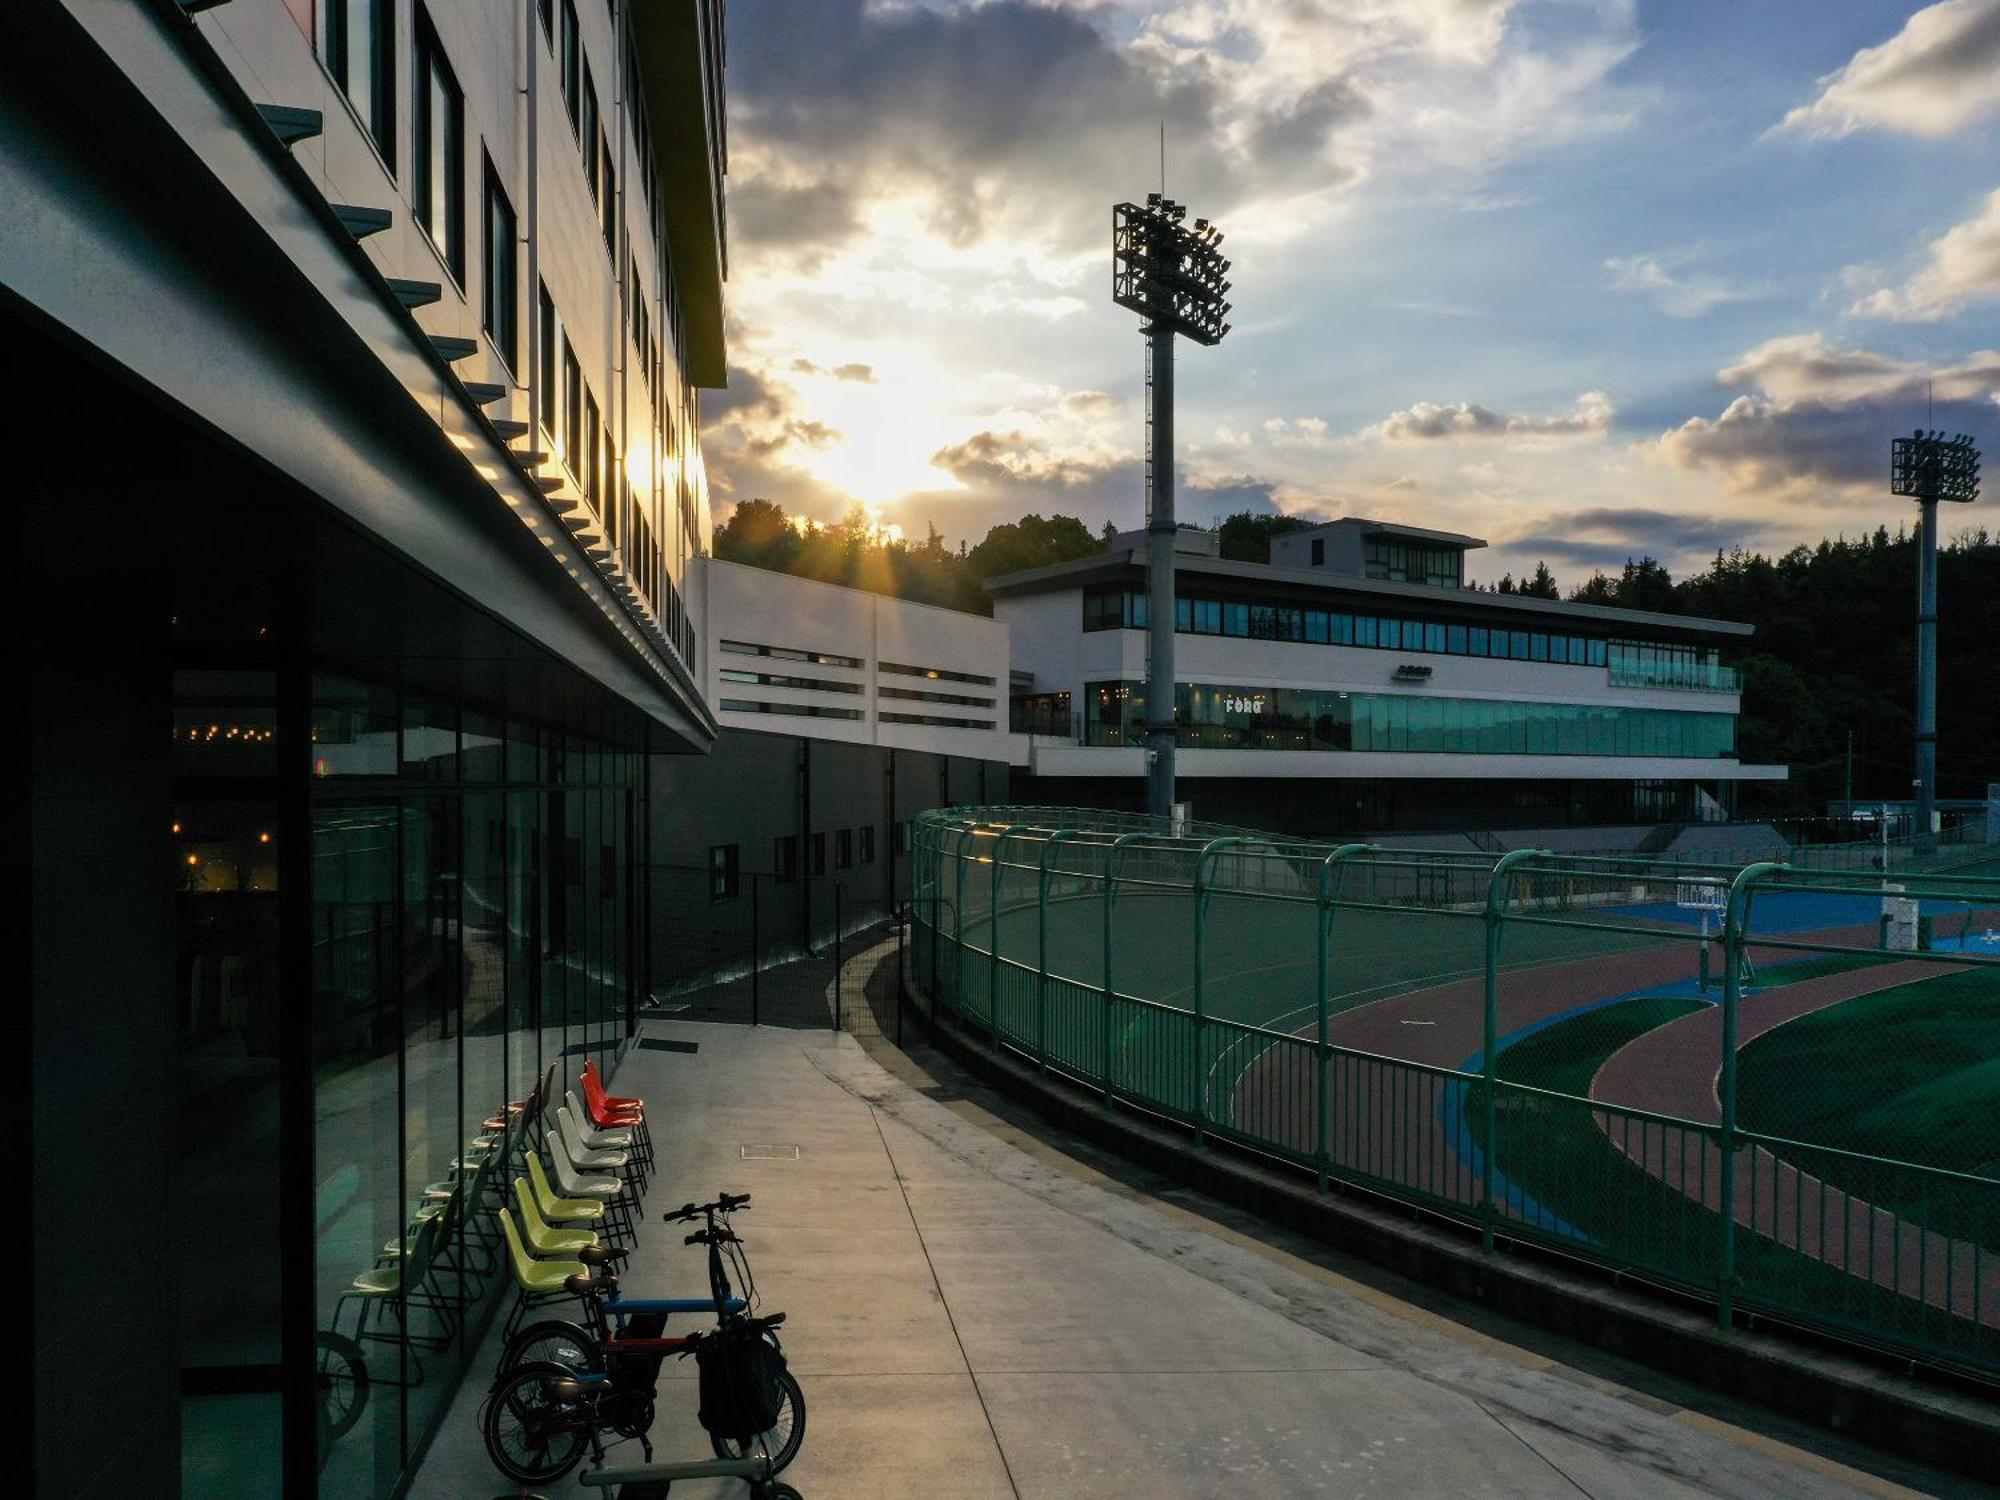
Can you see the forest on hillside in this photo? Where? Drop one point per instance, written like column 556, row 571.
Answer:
column 1831, row 667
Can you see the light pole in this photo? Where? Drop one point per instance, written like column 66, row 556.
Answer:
column 1929, row 467
column 1174, row 277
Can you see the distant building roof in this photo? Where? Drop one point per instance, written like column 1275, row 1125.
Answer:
column 1126, row 564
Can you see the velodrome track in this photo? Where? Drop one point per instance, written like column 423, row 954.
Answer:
column 1384, row 1124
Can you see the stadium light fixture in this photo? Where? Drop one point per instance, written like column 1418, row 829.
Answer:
column 1929, row 467
column 1172, row 275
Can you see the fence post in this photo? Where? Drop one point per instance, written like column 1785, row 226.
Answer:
column 1736, row 917
column 756, row 959
column 958, row 921
column 1110, row 896
column 993, row 929
column 1323, row 1065
column 1489, row 1031
column 1198, row 1103
column 1042, row 947
column 836, row 955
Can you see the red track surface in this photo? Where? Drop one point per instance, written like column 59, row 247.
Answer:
column 1385, row 1122
column 1675, row 1069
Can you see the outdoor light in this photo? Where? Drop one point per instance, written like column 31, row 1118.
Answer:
column 1174, row 278
column 1929, row 467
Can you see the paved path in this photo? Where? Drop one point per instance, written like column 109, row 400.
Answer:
column 972, row 1320
column 1674, row 1070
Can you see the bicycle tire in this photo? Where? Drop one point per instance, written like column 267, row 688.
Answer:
column 516, row 1409
column 340, row 1376
column 554, row 1333
column 781, row 1451
column 776, row 1491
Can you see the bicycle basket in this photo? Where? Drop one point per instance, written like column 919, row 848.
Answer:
column 741, row 1373
column 638, row 1369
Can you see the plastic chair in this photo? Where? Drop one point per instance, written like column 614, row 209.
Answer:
column 542, row 1237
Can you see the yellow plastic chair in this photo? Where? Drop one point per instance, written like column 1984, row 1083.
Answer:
column 556, row 1209
column 542, row 1237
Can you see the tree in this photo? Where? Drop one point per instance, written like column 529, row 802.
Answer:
column 1542, row 585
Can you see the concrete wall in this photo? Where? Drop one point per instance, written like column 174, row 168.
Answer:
column 758, row 607
column 759, row 787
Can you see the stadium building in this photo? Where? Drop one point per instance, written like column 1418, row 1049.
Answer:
column 1356, row 683
column 373, row 690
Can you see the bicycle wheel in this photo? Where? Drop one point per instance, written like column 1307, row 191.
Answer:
column 551, row 1341
column 531, row 1435
column 786, row 1434
column 775, row 1491
column 341, row 1377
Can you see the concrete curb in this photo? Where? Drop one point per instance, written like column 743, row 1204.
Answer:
column 1948, row 1428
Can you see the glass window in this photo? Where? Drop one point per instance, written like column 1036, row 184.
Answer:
column 1364, row 630
column 865, row 837
column 722, row 871
column 357, row 43
column 785, row 858
column 572, row 410
column 500, row 289
column 1455, row 640
column 570, row 45
column 551, row 342
column 354, row 729
column 1538, row 646
column 1236, row 619
column 1316, row 627
column 608, row 197
column 1433, row 637
column 589, row 132
column 439, row 188
column 1518, row 645
column 843, row 849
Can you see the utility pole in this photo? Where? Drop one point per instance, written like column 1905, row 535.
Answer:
column 1928, row 467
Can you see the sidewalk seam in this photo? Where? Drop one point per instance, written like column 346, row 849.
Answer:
column 875, row 1118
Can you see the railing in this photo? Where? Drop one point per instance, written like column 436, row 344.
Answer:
column 1569, row 1051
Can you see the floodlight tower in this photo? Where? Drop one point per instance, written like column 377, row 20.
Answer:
column 1929, row 467
column 1175, row 277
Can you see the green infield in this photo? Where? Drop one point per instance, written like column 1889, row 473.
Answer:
column 1561, row 1170
column 1911, row 1073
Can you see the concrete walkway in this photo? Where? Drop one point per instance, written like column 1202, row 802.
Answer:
column 974, row 1315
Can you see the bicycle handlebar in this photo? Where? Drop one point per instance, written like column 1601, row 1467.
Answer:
column 713, row 1237
column 725, row 1203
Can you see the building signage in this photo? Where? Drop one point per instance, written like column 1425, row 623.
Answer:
column 1244, row 703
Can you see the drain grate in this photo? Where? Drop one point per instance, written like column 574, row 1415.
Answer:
column 665, row 1044
column 767, row 1151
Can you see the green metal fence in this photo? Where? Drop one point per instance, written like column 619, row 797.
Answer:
column 1776, row 1088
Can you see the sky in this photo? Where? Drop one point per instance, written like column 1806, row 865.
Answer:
column 1591, row 279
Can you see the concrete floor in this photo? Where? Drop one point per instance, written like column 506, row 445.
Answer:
column 974, row 1314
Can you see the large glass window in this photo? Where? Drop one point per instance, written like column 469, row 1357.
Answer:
column 1262, row 718
column 500, row 289
column 439, row 188
column 357, row 44
column 465, row 934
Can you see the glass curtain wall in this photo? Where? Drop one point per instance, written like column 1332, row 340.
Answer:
column 471, row 890
column 1261, row 718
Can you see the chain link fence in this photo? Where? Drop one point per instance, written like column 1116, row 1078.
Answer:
column 1774, row 1087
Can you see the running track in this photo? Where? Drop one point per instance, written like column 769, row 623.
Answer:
column 1405, row 1128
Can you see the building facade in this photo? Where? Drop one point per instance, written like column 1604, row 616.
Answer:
column 851, row 713
column 1355, row 684
column 360, row 343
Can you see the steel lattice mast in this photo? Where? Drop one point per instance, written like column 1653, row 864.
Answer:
column 1175, row 277
column 1929, row 467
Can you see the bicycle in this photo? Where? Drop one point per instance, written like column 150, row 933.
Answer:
column 541, row 1414
column 568, row 1343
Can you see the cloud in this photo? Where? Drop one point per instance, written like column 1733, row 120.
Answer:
column 1605, row 536
column 1676, row 292
column 864, row 374
column 1427, row 421
column 989, row 460
column 1938, row 74
column 1962, row 265
column 1818, row 418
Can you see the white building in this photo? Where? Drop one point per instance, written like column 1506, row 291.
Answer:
column 1355, row 683
column 795, row 656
